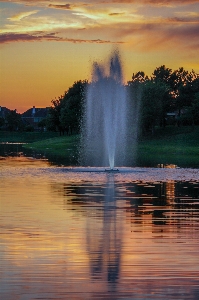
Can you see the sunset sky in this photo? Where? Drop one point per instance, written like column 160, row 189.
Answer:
column 47, row 45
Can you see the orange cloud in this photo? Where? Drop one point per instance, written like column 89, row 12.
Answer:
column 105, row 1
column 22, row 15
column 25, row 37
column 61, row 6
column 152, row 2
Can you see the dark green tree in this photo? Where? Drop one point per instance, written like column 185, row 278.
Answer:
column 166, row 76
column 14, row 121
column 154, row 105
column 66, row 111
column 2, row 121
column 72, row 108
column 191, row 114
column 42, row 124
column 134, row 90
column 53, row 118
column 186, row 84
column 163, row 74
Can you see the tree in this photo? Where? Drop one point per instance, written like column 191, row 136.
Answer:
column 191, row 115
column 53, row 117
column 14, row 121
column 134, row 90
column 66, row 111
column 72, row 109
column 185, row 86
column 164, row 75
column 2, row 121
column 42, row 124
column 154, row 104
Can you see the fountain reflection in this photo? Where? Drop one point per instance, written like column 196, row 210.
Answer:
column 104, row 245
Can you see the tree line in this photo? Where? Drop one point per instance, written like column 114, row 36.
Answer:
column 167, row 97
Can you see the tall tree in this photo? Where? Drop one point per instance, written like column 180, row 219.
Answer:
column 72, row 109
column 154, row 108
column 54, row 113
column 13, row 120
column 2, row 121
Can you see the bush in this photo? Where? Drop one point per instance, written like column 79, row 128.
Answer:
column 29, row 128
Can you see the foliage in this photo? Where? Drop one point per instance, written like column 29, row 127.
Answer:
column 25, row 137
column 170, row 145
column 66, row 111
column 154, row 104
column 150, row 100
column 29, row 128
column 14, row 121
column 72, row 110
column 42, row 123
column 2, row 121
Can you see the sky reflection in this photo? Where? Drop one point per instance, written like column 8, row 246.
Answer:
column 91, row 239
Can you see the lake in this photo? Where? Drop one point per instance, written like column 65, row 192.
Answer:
column 76, row 233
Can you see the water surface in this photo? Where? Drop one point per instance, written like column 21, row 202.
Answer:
column 96, row 235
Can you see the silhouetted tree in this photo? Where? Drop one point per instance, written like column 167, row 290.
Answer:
column 42, row 123
column 14, row 121
column 164, row 75
column 2, row 122
column 71, row 112
column 66, row 111
column 154, row 97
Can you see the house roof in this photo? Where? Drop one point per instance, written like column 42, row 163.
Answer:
column 35, row 112
column 4, row 111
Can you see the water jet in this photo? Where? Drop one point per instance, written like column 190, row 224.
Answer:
column 107, row 128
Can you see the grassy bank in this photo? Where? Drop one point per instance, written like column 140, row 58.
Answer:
column 171, row 145
column 25, row 137
column 63, row 149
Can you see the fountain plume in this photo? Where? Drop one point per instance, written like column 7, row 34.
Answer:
column 105, row 122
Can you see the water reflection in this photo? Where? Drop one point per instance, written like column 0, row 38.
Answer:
column 104, row 248
column 96, row 236
column 163, row 216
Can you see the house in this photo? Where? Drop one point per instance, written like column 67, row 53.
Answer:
column 3, row 112
column 33, row 116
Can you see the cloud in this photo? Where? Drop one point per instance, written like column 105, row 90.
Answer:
column 41, row 36
column 151, row 2
column 116, row 14
column 61, row 6
column 68, row 6
column 171, row 37
column 22, row 15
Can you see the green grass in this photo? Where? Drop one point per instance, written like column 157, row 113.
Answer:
column 25, row 137
column 60, row 149
column 171, row 145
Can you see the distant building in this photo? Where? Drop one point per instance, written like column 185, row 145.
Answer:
column 33, row 116
column 3, row 113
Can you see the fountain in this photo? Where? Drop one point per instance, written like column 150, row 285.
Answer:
column 105, row 123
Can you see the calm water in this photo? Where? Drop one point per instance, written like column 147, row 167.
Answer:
column 67, row 234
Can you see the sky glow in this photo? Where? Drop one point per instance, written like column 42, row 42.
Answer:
column 47, row 45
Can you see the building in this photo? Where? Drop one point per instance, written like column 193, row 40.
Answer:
column 33, row 116
column 3, row 112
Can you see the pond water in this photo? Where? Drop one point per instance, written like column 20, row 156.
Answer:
column 70, row 234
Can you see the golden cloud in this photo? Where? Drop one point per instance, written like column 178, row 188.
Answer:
column 41, row 36
column 22, row 15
